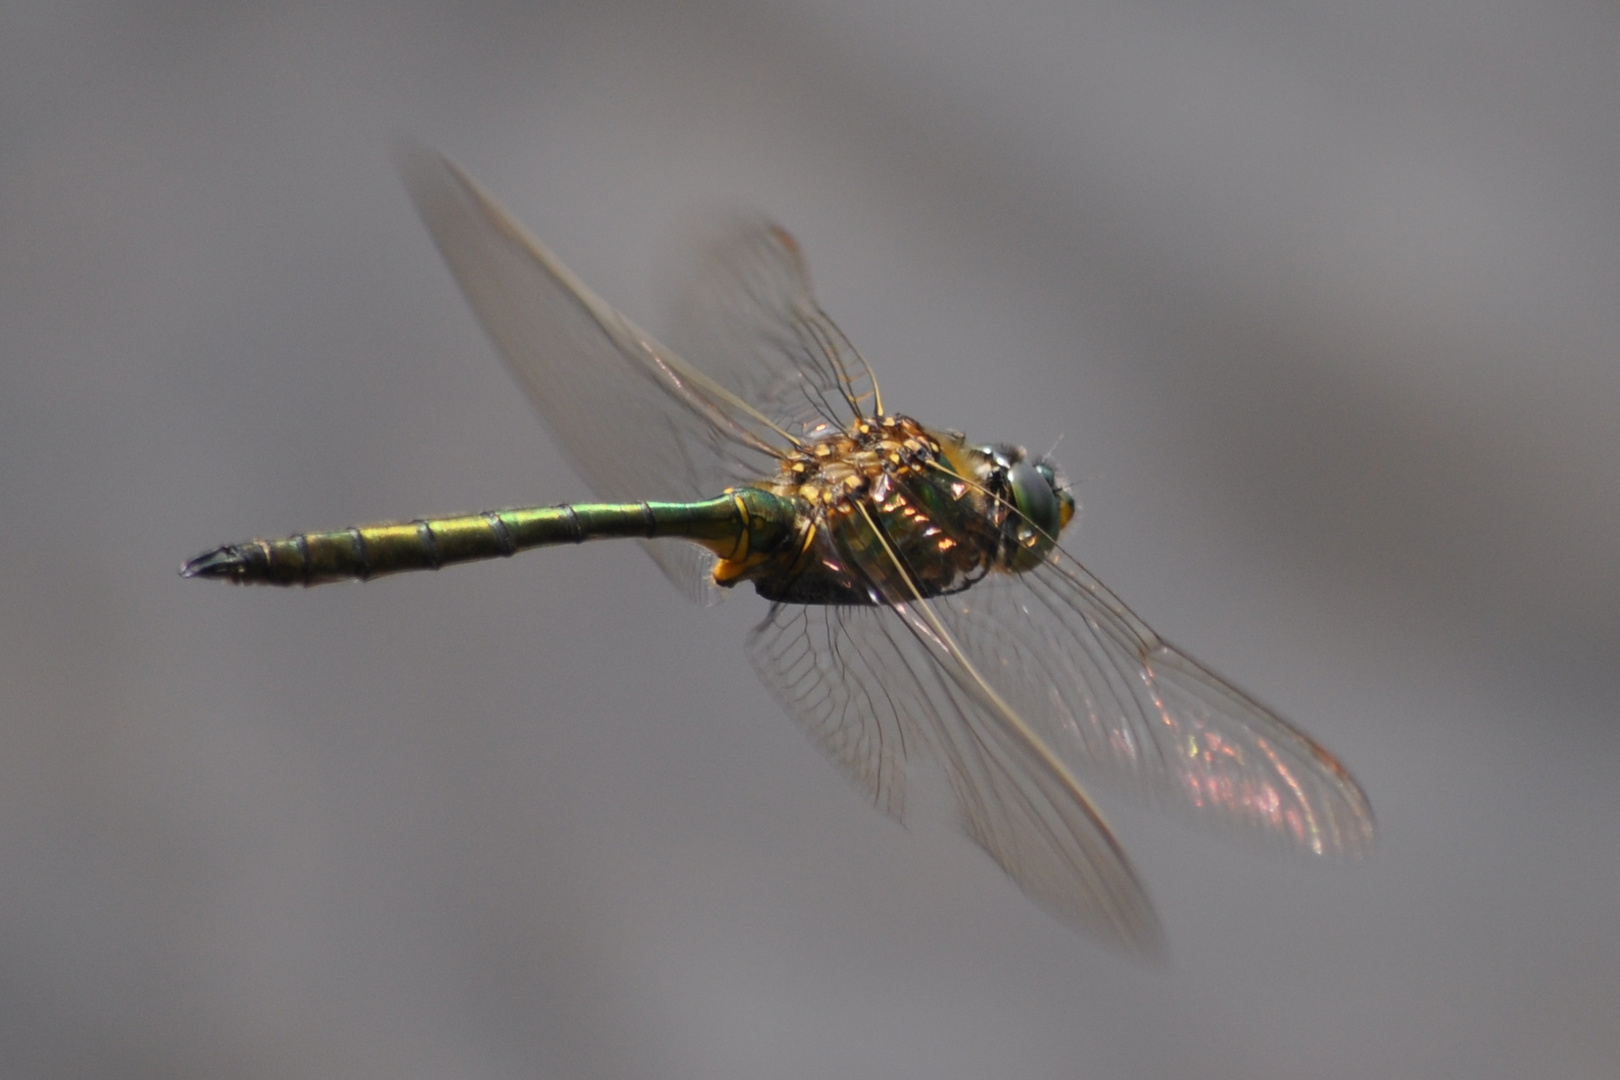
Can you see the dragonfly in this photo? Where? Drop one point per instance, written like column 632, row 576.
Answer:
column 920, row 604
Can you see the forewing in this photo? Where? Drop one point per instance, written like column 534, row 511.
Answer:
column 634, row 419
column 1130, row 711
column 875, row 685
column 750, row 314
column 1018, row 799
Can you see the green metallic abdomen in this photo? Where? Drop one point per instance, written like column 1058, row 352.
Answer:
column 741, row 524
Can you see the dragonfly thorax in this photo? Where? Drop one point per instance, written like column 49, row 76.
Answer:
column 891, row 510
column 840, row 469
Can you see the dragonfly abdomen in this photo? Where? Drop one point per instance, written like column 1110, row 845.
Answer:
column 734, row 525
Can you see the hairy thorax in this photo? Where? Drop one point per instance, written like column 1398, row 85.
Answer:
column 889, row 511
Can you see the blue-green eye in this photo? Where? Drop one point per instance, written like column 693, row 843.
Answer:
column 1034, row 496
column 1045, row 505
column 1060, row 489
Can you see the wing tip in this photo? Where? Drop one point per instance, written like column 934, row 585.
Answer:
column 1130, row 929
column 417, row 162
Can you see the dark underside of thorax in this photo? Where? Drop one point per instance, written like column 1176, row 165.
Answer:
column 890, row 511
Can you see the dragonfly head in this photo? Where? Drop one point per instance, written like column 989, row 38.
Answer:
column 1040, row 494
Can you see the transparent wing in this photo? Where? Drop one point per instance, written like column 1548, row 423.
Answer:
column 875, row 685
column 749, row 312
column 634, row 419
column 1127, row 710
column 838, row 672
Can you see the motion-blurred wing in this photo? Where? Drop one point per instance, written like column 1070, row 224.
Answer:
column 749, row 313
column 635, row 420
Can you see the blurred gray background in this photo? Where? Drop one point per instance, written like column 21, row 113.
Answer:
column 1323, row 300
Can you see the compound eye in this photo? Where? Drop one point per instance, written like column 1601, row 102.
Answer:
column 1060, row 487
column 1033, row 495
